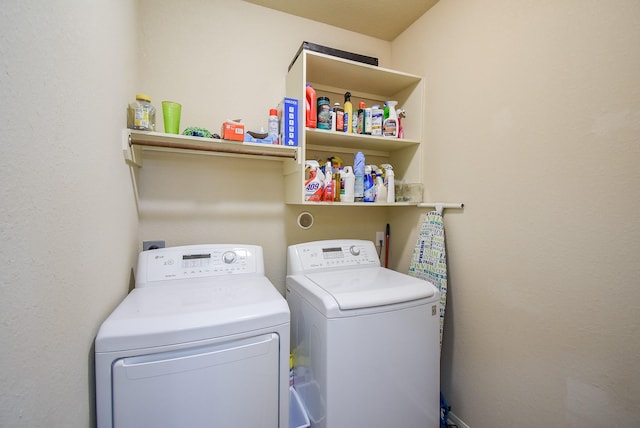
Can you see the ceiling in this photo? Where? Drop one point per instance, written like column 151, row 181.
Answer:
column 382, row 19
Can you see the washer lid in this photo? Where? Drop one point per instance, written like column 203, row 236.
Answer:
column 181, row 313
column 370, row 287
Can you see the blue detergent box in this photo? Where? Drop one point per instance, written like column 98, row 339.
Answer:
column 289, row 124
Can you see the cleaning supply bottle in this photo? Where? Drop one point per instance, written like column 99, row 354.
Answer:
column 369, row 188
column 329, row 183
column 314, row 185
column 381, row 190
column 336, row 166
column 339, row 115
column 390, row 125
column 354, row 122
column 273, row 125
column 312, row 107
column 361, row 124
column 324, row 113
column 376, row 120
column 348, row 184
column 389, row 181
column 358, row 172
column 401, row 115
column 367, row 126
column 348, row 113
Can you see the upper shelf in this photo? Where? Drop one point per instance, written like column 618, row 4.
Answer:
column 323, row 70
column 160, row 141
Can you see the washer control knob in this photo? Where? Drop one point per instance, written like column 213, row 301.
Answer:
column 229, row 257
column 354, row 250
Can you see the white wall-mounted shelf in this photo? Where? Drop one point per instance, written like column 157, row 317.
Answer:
column 135, row 142
column 358, row 204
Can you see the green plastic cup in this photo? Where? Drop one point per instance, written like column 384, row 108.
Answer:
column 171, row 114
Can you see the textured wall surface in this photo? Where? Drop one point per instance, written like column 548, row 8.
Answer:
column 533, row 121
column 68, row 225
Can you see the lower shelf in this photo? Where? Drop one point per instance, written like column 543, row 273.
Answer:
column 357, row 204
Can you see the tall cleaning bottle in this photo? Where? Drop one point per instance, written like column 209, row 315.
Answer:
column 358, row 172
column 312, row 107
column 369, row 187
column 348, row 113
column 329, row 184
column 389, row 181
column 314, row 185
column 336, row 166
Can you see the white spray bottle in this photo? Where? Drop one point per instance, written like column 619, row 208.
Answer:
column 347, row 189
column 381, row 190
column 314, row 185
column 329, row 184
column 389, row 181
column 390, row 124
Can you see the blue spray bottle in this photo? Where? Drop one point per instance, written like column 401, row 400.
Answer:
column 369, row 186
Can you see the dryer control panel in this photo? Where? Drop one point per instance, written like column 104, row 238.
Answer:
column 331, row 254
column 198, row 261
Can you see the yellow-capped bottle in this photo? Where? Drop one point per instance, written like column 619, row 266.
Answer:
column 141, row 114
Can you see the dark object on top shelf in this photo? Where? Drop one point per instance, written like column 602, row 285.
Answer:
column 334, row 52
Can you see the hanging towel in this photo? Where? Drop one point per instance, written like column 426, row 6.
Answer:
column 429, row 261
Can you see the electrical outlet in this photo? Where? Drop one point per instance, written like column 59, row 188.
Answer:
column 152, row 245
column 379, row 239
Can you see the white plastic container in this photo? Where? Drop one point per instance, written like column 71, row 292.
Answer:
column 389, row 180
column 381, row 189
column 298, row 417
column 347, row 188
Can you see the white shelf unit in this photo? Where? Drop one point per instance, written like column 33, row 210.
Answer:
column 331, row 77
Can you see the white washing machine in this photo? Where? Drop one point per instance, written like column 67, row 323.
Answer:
column 365, row 338
column 201, row 341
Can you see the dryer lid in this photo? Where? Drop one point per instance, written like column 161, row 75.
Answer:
column 371, row 287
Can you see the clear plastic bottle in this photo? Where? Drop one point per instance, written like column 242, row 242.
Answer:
column 141, row 114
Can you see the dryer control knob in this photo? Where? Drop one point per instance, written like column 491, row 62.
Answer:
column 354, row 250
column 229, row 257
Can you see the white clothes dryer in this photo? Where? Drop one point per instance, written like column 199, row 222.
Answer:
column 201, row 341
column 365, row 339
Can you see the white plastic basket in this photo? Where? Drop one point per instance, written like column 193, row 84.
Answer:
column 298, row 417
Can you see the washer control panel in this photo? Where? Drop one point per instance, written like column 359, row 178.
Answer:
column 332, row 254
column 198, row 261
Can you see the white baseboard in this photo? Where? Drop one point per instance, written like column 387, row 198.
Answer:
column 456, row 420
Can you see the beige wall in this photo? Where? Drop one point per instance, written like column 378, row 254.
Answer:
column 226, row 60
column 68, row 226
column 533, row 120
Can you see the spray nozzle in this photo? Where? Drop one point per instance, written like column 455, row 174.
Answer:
column 386, row 166
column 314, row 165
